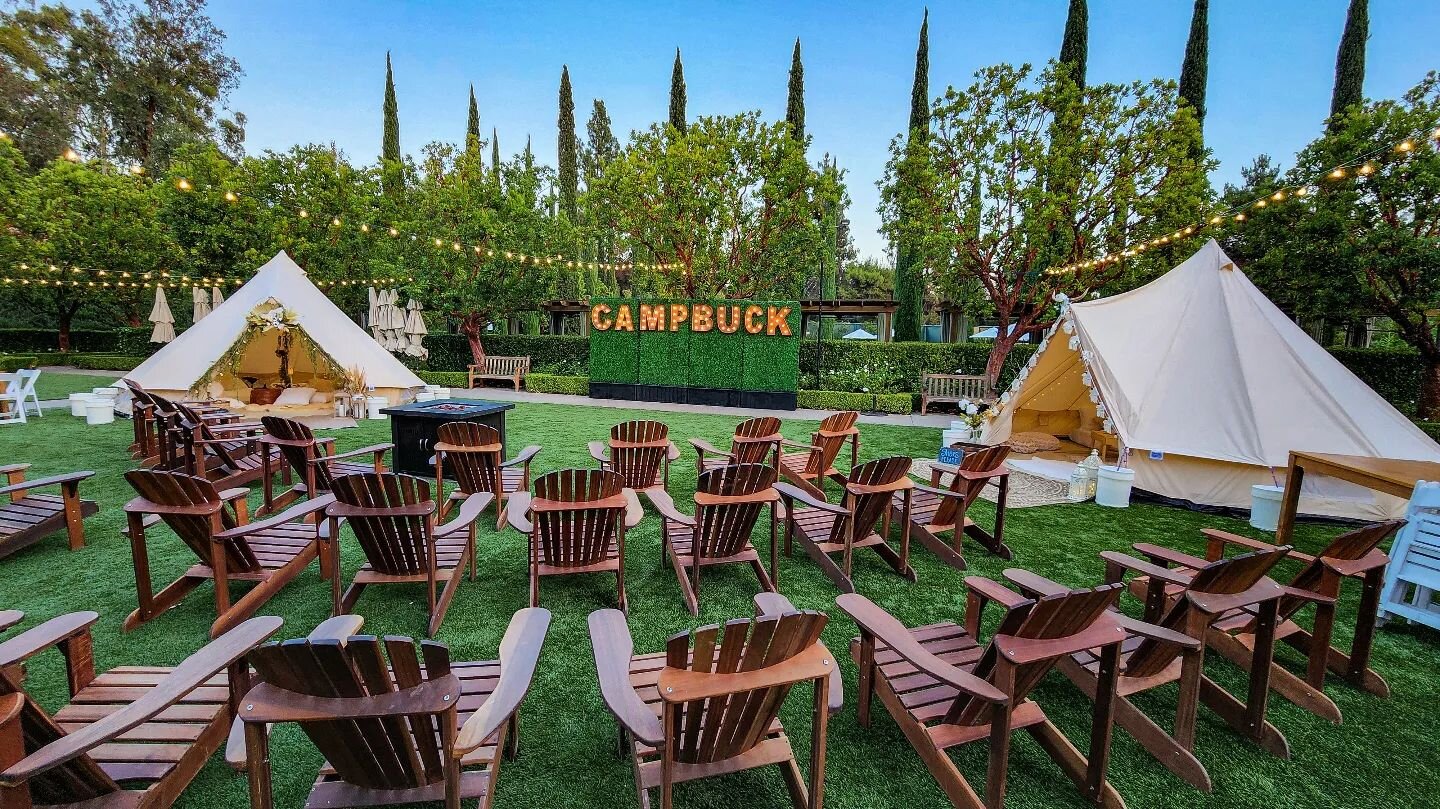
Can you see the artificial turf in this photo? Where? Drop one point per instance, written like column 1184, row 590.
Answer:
column 1382, row 756
column 56, row 385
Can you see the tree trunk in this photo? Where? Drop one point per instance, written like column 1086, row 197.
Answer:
column 999, row 351
column 471, row 326
column 1428, row 407
column 65, row 317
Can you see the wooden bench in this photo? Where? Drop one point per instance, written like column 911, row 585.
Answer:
column 954, row 388
column 510, row 369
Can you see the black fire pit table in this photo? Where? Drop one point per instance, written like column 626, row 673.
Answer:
column 413, row 428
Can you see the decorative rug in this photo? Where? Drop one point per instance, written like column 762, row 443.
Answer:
column 1026, row 490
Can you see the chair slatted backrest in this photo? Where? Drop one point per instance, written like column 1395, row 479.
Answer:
column 191, row 422
column 297, row 445
column 576, row 514
column 724, row 726
column 391, row 516
column 1348, row 547
column 728, row 502
column 1053, row 617
column 1224, row 577
column 75, row 781
column 638, row 450
column 987, row 459
column 835, row 430
column 389, row 752
column 876, row 481
column 473, row 455
column 755, row 439
column 207, row 514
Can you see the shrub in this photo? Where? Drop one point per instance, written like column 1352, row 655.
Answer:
column 844, row 400
column 1395, row 374
column 1430, row 428
column 551, row 383
column 17, row 362
column 106, row 362
column 904, row 362
column 448, row 379
column 549, row 354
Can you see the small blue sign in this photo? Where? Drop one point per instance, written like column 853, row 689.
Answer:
column 950, row 455
column 1157, row 455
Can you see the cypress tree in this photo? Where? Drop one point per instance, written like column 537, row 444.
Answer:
column 472, row 126
column 909, row 288
column 390, row 141
column 1350, row 62
column 1075, row 45
column 495, row 154
column 677, row 95
column 1194, row 72
column 795, row 103
column 569, row 159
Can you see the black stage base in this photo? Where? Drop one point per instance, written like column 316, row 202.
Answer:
column 717, row 397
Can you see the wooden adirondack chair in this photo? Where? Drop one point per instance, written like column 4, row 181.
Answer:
column 227, row 454
column 756, row 440
column 815, row 461
column 270, row 553
column 394, row 518
column 824, row 529
column 576, row 523
column 131, row 738
column 1171, row 650
column 641, row 451
column 679, row 710
column 728, row 502
column 155, row 421
column 471, row 452
column 27, row 517
column 945, row 690
column 314, row 461
column 1351, row 555
column 412, row 729
column 935, row 510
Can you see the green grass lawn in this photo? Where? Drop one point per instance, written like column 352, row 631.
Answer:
column 1382, row 756
column 52, row 385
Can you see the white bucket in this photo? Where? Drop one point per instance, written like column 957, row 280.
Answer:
column 1265, row 507
column 78, row 402
column 342, row 407
column 99, row 410
column 441, row 393
column 375, row 403
column 425, row 396
column 1112, row 488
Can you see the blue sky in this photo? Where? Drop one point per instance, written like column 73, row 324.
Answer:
column 314, row 71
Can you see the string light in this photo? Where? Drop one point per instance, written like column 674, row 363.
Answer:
column 137, row 169
column 183, row 184
column 231, row 196
column 71, row 155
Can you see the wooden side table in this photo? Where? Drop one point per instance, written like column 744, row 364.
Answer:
column 1102, row 441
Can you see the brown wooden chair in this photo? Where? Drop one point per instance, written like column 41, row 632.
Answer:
column 936, row 510
column 152, row 417
column 215, row 525
column 824, row 529
column 756, row 440
column 414, row 728
column 227, row 454
column 728, row 502
column 1171, row 650
column 945, row 690
column 640, row 451
column 471, row 453
column 394, row 518
column 1351, row 555
column 131, row 738
column 576, row 523
column 314, row 461
column 679, row 710
column 27, row 517
column 815, row 461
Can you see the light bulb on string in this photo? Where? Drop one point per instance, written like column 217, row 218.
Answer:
column 231, row 196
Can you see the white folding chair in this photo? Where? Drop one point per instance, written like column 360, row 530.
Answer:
column 1413, row 575
column 14, row 397
column 28, row 378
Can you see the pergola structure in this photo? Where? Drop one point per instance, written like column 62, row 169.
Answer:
column 954, row 323
column 883, row 312
column 558, row 311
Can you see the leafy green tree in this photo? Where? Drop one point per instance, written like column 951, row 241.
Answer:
column 909, row 285
column 795, row 98
column 569, row 157
column 601, row 148
column 1195, row 70
column 1075, row 42
column 390, row 155
column 1349, row 87
column 983, row 180
column 220, row 226
column 40, row 111
column 677, row 95
column 868, row 279
column 734, row 206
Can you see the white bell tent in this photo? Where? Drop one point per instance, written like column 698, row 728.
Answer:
column 235, row 342
column 1211, row 386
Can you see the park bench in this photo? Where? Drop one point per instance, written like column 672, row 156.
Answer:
column 509, row 369
column 954, row 388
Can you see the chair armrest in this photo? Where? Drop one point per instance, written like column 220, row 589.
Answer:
column 237, row 493
column 9, row 618
column 785, row 442
column 213, row 658
column 376, row 449
column 516, row 512
column 947, row 468
column 705, row 447
column 1135, row 626
column 524, row 457
column 921, row 487
column 1033, row 584
column 1158, row 554
column 634, row 512
column 289, row 515
column 791, row 494
column 519, row 652
column 990, row 590
column 883, row 626
column 12, row 468
column 338, row 628
column 1216, row 541
column 666, row 506
column 1308, row 595
column 57, row 480
column 1355, row 567
column 998, row 472
column 614, row 647
column 470, row 509
column 53, row 632
column 598, row 451
column 1145, row 568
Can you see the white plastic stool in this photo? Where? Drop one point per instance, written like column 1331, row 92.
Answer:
column 99, row 410
column 78, row 402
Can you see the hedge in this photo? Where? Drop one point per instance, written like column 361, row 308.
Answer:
column 17, row 362
column 843, row 400
column 446, row 379
column 105, row 362
column 1395, row 374
column 550, row 383
column 129, row 341
column 548, row 354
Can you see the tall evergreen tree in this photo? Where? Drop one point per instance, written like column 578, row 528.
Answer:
column 909, row 286
column 677, row 95
column 795, row 103
column 472, row 126
column 1195, row 71
column 495, row 153
column 569, row 159
column 390, row 141
column 1075, row 45
column 1350, row 62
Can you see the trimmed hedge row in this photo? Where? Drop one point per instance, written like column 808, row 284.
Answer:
column 548, row 354
column 551, row 383
column 842, row 400
column 447, row 379
column 10, row 363
column 1395, row 374
column 128, row 341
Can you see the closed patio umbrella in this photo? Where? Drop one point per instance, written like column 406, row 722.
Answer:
column 163, row 319
column 215, row 298
column 415, row 330
column 202, row 303
column 372, row 317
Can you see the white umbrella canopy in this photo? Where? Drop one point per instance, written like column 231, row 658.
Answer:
column 163, row 319
column 415, row 330
column 215, row 298
column 202, row 303
column 372, row 317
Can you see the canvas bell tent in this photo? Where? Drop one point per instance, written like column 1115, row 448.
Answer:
column 234, row 348
column 1210, row 386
